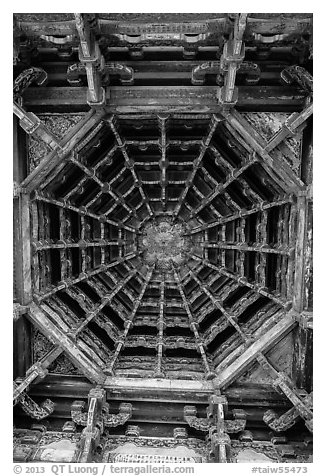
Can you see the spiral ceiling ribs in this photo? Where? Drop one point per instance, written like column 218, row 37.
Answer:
column 163, row 223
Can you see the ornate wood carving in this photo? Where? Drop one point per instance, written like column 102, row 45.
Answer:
column 216, row 426
column 288, row 419
column 104, row 418
column 27, row 77
column 198, row 73
column 39, row 412
column 126, row 73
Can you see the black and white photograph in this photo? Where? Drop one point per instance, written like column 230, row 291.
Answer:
column 162, row 240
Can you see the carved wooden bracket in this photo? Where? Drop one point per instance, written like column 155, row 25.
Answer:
column 288, row 419
column 204, row 424
column 75, row 71
column 39, row 412
column 27, row 77
column 79, row 416
column 198, row 73
column 125, row 412
column 299, row 75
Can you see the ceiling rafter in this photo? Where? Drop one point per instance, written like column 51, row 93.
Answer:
column 83, row 277
column 243, row 213
column 163, row 162
column 193, row 325
column 221, row 187
column 242, row 280
column 217, row 303
column 45, row 197
column 159, row 372
column 129, row 163
column 137, row 302
column 197, row 162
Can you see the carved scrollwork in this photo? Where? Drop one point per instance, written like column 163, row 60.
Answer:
column 125, row 412
column 288, row 419
column 26, row 78
column 126, row 74
column 77, row 414
column 202, row 424
column 205, row 424
column 39, row 412
column 299, row 75
column 239, row 422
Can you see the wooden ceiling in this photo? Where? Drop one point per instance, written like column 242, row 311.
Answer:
column 162, row 206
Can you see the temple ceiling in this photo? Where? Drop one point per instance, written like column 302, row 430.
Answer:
column 163, row 202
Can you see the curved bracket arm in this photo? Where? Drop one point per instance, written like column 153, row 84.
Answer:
column 125, row 412
column 28, row 76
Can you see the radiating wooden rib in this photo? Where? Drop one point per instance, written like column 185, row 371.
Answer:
column 219, row 159
column 82, row 277
column 107, row 158
column 64, row 244
column 261, row 248
column 94, row 177
column 129, row 163
column 129, row 323
column 216, row 302
column 41, row 197
column 196, row 164
column 97, row 308
column 241, row 239
column 242, row 280
column 244, row 213
column 64, row 269
column 192, row 322
column 221, row 187
column 248, row 192
column 161, row 323
column 163, row 161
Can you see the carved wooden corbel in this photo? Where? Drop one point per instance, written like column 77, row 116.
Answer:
column 113, row 420
column 79, row 416
column 39, row 412
column 250, row 70
column 288, row 419
column 75, row 71
column 204, row 424
column 27, row 77
column 299, row 75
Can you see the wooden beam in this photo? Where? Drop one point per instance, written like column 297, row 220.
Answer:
column 56, row 335
column 169, row 99
column 122, row 388
column 265, row 342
